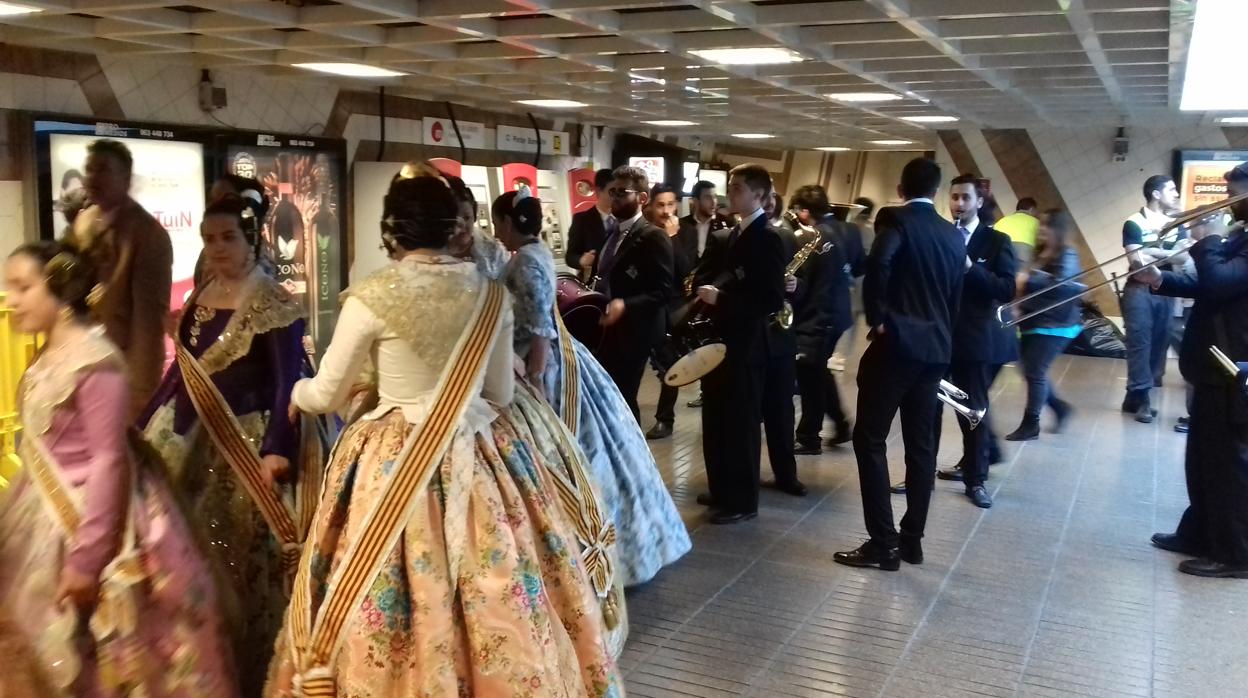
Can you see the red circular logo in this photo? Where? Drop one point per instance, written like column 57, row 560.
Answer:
column 436, row 132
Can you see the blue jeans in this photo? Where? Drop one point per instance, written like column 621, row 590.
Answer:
column 1039, row 351
column 1147, row 318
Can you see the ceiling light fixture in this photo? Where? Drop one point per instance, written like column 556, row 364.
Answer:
column 350, row 70
column 892, row 141
column 833, row 148
column 1214, row 46
column 673, row 123
column 1233, row 120
column 864, row 96
column 9, row 9
column 753, row 136
column 552, row 103
column 931, row 119
column 749, row 56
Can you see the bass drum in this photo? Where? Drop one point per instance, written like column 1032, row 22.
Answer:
column 581, row 309
column 694, row 351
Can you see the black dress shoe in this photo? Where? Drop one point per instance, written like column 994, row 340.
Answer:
column 795, row 488
column 1027, row 431
column 1174, row 544
column 844, row 434
column 1202, row 567
column 899, row 488
column 1183, row 425
column 721, row 518
column 980, row 497
column 661, row 430
column 953, row 474
column 807, row 448
column 910, row 550
column 870, row 555
column 706, row 500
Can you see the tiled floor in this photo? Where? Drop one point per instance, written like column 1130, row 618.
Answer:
column 1055, row 591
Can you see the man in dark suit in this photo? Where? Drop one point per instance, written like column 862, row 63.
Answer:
column 914, row 281
column 696, row 233
column 821, row 309
column 635, row 273
column 981, row 346
column 780, row 376
column 1214, row 528
column 590, row 228
column 746, row 291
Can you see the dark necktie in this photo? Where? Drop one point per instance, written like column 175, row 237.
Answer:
column 609, row 248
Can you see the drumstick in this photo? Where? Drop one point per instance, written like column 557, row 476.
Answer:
column 1225, row 360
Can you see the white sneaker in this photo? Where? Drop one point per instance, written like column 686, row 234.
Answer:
column 836, row 363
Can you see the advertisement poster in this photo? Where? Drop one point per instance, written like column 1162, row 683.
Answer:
column 581, row 189
column 304, row 229
column 652, row 166
column 1201, row 175
column 168, row 181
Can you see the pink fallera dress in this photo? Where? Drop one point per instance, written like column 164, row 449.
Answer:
column 156, row 629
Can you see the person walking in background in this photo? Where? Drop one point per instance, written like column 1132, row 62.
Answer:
column 133, row 258
column 1146, row 317
column 856, row 240
column 1021, row 226
column 1045, row 336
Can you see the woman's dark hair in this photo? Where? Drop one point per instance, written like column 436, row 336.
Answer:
column 69, row 274
column 419, row 212
column 69, row 175
column 247, row 213
column 1059, row 223
column 502, row 206
column 461, row 191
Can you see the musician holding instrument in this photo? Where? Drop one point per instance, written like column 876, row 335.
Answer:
column 747, row 289
column 1147, row 317
column 981, row 346
column 821, row 313
column 914, row 280
column 1214, row 528
column 635, row 272
column 781, row 371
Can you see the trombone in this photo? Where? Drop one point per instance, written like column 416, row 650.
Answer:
column 949, row 394
column 1169, row 229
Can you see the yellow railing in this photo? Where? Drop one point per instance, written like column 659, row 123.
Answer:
column 16, row 352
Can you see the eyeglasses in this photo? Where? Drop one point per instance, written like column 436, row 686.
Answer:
column 616, row 193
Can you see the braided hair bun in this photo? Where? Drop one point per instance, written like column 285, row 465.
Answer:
column 420, row 212
column 70, row 276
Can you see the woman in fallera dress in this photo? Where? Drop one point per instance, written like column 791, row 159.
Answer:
column 650, row 533
column 103, row 591
column 219, row 419
column 437, row 564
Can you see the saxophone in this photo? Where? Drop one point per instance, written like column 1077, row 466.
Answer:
column 784, row 318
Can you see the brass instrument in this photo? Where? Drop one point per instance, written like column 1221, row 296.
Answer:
column 1195, row 214
column 784, row 318
column 949, row 394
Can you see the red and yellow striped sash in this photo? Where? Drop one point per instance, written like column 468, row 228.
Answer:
column 316, row 640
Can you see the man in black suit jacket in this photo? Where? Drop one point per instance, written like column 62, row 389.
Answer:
column 589, row 231
column 746, row 291
column 1214, row 528
column 635, row 273
column 822, row 312
column 981, row 346
column 914, row 281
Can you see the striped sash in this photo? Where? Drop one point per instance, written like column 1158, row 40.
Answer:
column 570, row 406
column 52, row 487
column 316, row 640
column 223, row 428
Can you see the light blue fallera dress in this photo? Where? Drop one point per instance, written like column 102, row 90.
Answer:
column 649, row 528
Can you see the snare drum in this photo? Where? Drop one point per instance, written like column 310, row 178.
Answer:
column 581, row 309
column 693, row 351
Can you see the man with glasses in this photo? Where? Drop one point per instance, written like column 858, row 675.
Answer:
column 635, row 272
